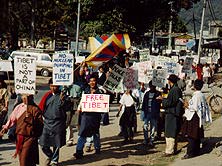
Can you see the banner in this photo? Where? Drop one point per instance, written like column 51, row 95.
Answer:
column 95, row 103
column 187, row 66
column 131, row 78
column 25, row 75
column 62, row 69
column 114, row 78
column 6, row 65
column 159, row 78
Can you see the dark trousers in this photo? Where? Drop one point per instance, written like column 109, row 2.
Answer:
column 53, row 155
column 127, row 132
column 193, row 147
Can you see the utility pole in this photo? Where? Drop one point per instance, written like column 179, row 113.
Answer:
column 77, row 31
column 201, row 31
column 153, row 39
column 170, row 26
column 33, row 23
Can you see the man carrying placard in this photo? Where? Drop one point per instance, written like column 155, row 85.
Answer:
column 91, row 116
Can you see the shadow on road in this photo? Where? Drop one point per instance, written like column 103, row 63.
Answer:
column 210, row 144
column 112, row 147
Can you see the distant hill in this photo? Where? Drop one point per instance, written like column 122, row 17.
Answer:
column 187, row 15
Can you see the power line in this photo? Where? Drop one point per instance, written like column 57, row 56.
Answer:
column 212, row 13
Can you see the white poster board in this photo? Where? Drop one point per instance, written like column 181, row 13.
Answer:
column 62, row 69
column 142, row 69
column 159, row 78
column 25, row 74
column 6, row 65
column 95, row 103
column 187, row 66
column 131, row 78
column 114, row 78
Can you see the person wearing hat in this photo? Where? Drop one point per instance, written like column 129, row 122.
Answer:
column 53, row 105
column 173, row 110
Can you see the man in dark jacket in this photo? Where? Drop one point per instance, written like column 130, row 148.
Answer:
column 150, row 113
column 54, row 110
column 90, row 123
column 173, row 107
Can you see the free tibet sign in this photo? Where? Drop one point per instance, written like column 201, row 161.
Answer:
column 25, row 74
column 95, row 103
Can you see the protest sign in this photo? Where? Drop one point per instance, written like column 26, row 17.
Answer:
column 187, row 66
column 114, row 78
column 62, row 69
column 131, row 78
column 95, row 103
column 25, row 74
column 142, row 69
column 159, row 77
column 144, row 54
column 6, row 65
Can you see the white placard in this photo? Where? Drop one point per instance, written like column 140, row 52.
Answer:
column 159, row 78
column 95, row 103
column 187, row 66
column 6, row 65
column 25, row 74
column 62, row 69
column 142, row 69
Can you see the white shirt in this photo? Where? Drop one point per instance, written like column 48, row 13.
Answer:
column 198, row 104
column 126, row 100
column 206, row 71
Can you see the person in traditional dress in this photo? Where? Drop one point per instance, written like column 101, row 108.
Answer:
column 173, row 110
column 54, row 107
column 197, row 113
column 29, row 124
column 128, row 116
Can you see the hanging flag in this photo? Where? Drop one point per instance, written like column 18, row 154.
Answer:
column 104, row 48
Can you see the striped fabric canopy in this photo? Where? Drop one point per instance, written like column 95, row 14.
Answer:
column 104, row 48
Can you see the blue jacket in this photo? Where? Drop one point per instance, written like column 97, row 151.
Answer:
column 155, row 106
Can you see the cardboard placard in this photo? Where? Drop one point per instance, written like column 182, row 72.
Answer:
column 6, row 65
column 25, row 74
column 95, row 103
column 62, row 69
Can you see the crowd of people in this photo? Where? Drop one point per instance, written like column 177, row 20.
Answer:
column 59, row 111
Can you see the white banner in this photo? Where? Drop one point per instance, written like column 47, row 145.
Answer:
column 95, row 103
column 25, row 74
column 62, row 69
column 6, row 65
column 114, row 78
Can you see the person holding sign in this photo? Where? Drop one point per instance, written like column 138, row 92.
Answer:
column 90, row 122
column 127, row 118
column 173, row 110
column 53, row 105
column 29, row 123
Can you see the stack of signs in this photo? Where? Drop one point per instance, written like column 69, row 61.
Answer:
column 5, row 65
column 131, row 78
column 95, row 103
column 25, row 75
column 114, row 78
column 62, row 69
column 159, row 77
column 187, row 66
column 143, row 67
